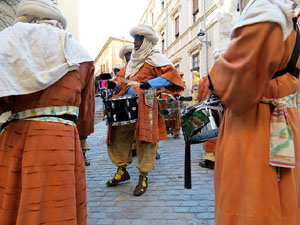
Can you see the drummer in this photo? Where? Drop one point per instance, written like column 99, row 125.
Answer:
column 150, row 70
column 116, row 69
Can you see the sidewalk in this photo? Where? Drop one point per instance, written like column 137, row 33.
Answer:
column 166, row 200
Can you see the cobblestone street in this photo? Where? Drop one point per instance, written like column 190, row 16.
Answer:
column 166, row 200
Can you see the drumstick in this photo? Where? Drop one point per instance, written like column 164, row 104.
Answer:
column 129, row 82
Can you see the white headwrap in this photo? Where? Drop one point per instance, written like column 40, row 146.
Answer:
column 34, row 56
column 276, row 11
column 146, row 31
column 125, row 49
column 117, row 66
column 29, row 10
column 146, row 53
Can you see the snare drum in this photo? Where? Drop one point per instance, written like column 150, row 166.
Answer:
column 121, row 110
column 202, row 117
column 169, row 105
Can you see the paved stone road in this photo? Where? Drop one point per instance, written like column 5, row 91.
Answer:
column 166, row 200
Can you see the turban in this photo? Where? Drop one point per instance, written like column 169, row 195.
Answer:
column 29, row 10
column 125, row 49
column 117, row 66
column 147, row 31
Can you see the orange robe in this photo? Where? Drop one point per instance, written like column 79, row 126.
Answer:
column 144, row 130
column 42, row 171
column 203, row 91
column 247, row 191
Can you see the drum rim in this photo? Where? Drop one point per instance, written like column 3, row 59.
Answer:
column 123, row 97
column 120, row 123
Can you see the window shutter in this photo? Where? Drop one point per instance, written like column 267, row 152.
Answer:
column 177, row 26
column 195, row 6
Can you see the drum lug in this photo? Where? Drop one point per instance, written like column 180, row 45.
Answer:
column 112, row 105
column 115, row 117
column 129, row 115
column 212, row 120
column 127, row 102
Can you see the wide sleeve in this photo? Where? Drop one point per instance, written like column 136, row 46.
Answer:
column 241, row 75
column 85, row 122
column 203, row 89
column 170, row 73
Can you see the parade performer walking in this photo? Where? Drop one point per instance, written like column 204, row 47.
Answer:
column 153, row 71
column 257, row 170
column 47, row 82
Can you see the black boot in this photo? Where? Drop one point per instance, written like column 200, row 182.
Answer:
column 157, row 155
column 86, row 161
column 207, row 164
column 133, row 152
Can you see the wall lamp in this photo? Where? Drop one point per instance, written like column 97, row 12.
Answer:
column 201, row 35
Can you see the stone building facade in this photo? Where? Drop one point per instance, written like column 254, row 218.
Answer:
column 70, row 9
column 109, row 55
column 7, row 12
column 178, row 23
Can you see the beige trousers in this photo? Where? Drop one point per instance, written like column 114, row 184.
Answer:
column 120, row 151
column 209, row 156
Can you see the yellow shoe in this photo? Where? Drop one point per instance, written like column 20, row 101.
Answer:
column 121, row 175
column 141, row 187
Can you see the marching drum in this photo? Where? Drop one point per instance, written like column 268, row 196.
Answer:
column 203, row 117
column 121, row 110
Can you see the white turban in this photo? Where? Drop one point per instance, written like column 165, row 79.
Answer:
column 29, row 10
column 117, row 66
column 125, row 49
column 147, row 31
column 264, row 11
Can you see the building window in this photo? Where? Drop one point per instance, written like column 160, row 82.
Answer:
column 162, row 42
column 162, row 5
column 152, row 18
column 195, row 62
column 177, row 67
column 177, row 27
column 195, row 10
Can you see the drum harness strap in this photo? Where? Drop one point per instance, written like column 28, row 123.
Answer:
column 291, row 66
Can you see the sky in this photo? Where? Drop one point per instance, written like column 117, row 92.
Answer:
column 101, row 19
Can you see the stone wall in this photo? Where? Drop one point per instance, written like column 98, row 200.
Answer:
column 7, row 12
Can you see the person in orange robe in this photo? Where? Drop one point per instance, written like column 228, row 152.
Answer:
column 254, row 185
column 150, row 70
column 42, row 170
column 210, row 145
